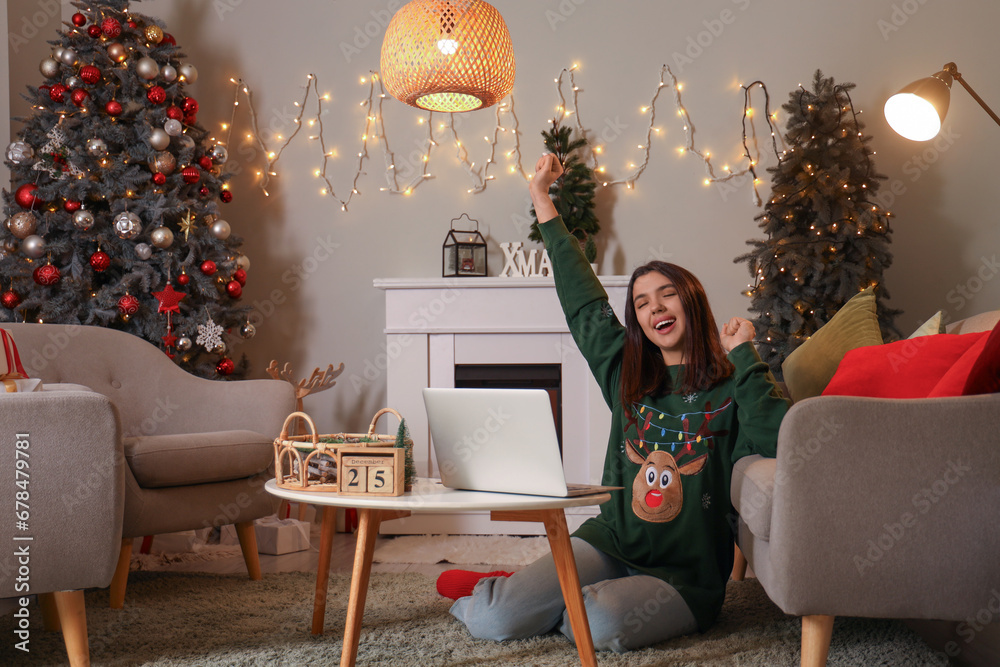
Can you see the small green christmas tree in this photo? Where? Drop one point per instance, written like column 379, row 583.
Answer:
column 403, row 442
column 827, row 236
column 573, row 193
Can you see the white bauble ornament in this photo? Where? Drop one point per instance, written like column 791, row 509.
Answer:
column 127, row 225
column 57, row 52
column 188, row 71
column 49, row 67
column 22, row 224
column 19, row 152
column 159, row 139
column 83, row 220
column 68, row 57
column 162, row 237
column 243, row 262
column 147, row 68
column 169, row 73
column 33, row 246
column 221, row 230
column 173, row 127
column 143, row 251
column 185, row 141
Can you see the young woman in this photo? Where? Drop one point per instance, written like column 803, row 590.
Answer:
column 686, row 403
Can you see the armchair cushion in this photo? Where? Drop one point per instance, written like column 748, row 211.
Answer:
column 197, row 458
column 809, row 367
column 753, row 492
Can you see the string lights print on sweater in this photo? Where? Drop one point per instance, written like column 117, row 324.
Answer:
column 375, row 130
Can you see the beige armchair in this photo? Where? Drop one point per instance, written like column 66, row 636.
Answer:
column 72, row 490
column 877, row 508
column 197, row 451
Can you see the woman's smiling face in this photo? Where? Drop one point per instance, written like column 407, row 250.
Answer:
column 660, row 314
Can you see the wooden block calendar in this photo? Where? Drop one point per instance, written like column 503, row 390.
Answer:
column 371, row 471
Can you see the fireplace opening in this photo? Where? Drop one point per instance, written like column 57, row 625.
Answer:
column 516, row 376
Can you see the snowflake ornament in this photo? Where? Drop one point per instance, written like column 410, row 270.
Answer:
column 691, row 397
column 706, row 500
column 606, row 309
column 209, row 335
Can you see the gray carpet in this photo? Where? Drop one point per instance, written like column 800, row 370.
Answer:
column 200, row 619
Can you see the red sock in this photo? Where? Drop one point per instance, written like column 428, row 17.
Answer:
column 456, row 584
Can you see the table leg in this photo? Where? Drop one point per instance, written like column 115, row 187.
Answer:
column 569, row 579
column 329, row 526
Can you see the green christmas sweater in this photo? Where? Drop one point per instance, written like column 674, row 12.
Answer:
column 673, row 454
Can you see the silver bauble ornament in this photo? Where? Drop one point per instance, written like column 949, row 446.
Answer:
column 117, row 52
column 248, row 331
column 185, row 141
column 163, row 162
column 127, row 225
column 83, row 220
column 173, row 127
column 159, row 139
column 97, row 147
column 49, row 68
column 168, row 73
column 221, row 230
column 147, row 68
column 19, row 152
column 23, row 224
column 74, row 82
column 188, row 71
column 68, row 57
column 219, row 154
column 219, row 349
column 183, row 344
column 57, row 52
column 143, row 251
column 243, row 262
column 162, row 237
column 33, row 246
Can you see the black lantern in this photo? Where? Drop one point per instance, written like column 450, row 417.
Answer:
column 464, row 251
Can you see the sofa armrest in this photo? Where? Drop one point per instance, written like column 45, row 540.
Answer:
column 70, row 486
column 882, row 505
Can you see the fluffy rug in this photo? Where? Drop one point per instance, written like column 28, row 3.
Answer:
column 200, row 619
column 461, row 549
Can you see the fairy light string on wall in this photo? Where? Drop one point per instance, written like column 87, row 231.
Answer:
column 479, row 171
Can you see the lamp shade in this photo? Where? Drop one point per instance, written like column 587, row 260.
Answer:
column 448, row 55
column 917, row 111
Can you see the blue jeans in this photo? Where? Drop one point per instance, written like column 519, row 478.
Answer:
column 626, row 609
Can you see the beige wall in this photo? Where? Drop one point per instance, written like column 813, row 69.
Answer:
column 319, row 261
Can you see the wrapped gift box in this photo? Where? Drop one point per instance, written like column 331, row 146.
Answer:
column 281, row 536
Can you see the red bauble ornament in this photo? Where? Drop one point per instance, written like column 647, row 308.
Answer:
column 183, row 279
column 79, row 96
column 79, row 20
column 44, row 88
column 111, row 27
column 90, row 74
column 225, row 367
column 57, row 91
column 168, row 39
column 95, row 31
column 128, row 305
column 174, row 112
column 113, row 108
column 25, row 196
column 204, row 191
column 156, row 95
column 189, row 106
column 205, row 163
column 10, row 299
column 190, row 119
column 132, row 24
column 71, row 206
column 100, row 261
column 226, row 196
column 46, row 275
column 208, row 267
column 159, row 178
column 190, row 174
column 240, row 276
column 234, row 289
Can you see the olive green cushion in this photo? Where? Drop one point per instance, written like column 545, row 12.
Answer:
column 808, row 369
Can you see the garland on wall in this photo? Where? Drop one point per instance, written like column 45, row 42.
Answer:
column 375, row 131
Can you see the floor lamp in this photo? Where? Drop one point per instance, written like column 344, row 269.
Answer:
column 917, row 111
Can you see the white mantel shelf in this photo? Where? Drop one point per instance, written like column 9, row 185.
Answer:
column 433, row 325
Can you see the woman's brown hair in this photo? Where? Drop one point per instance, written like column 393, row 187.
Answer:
column 643, row 369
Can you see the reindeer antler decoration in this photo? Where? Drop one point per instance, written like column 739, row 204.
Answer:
column 314, row 384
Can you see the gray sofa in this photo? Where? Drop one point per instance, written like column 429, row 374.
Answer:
column 880, row 508
column 193, row 452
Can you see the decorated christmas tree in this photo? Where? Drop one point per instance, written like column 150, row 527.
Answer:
column 114, row 220
column 827, row 236
column 573, row 193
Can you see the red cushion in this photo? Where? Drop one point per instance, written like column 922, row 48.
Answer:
column 952, row 382
column 909, row 368
column 984, row 378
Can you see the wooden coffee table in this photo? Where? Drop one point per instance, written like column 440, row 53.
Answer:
column 428, row 495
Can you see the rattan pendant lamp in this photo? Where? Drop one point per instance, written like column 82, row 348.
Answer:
column 448, row 55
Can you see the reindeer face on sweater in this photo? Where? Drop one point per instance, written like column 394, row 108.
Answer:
column 657, row 494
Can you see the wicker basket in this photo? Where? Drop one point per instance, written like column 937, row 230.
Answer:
column 308, row 462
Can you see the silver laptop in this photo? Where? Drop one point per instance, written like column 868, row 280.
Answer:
column 498, row 440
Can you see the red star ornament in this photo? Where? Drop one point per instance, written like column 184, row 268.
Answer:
column 169, row 299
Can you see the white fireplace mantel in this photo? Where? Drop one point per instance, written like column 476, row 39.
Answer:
column 434, row 324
